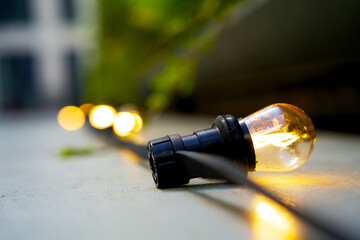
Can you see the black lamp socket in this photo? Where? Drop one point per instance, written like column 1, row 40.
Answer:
column 228, row 137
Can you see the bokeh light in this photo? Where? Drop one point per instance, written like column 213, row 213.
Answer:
column 86, row 108
column 124, row 123
column 102, row 116
column 71, row 118
column 138, row 122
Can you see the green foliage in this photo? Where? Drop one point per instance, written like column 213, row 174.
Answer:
column 154, row 45
column 68, row 152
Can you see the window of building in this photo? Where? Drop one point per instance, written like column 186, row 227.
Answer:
column 17, row 79
column 69, row 10
column 72, row 74
column 13, row 11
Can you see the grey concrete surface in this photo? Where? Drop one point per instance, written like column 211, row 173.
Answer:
column 108, row 195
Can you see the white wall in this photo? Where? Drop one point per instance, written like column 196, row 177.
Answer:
column 50, row 37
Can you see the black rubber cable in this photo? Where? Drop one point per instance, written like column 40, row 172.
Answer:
column 234, row 174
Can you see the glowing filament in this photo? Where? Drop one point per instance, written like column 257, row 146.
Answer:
column 277, row 139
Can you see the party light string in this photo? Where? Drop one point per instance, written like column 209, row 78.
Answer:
column 234, row 174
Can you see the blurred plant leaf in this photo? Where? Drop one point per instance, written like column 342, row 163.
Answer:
column 68, row 152
column 136, row 35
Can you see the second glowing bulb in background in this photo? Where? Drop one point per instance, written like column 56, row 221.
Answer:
column 102, row 116
column 127, row 122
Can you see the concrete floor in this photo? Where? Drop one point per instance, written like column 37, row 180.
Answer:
column 108, row 195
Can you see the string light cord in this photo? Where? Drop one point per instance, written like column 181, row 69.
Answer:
column 234, row 174
column 226, row 170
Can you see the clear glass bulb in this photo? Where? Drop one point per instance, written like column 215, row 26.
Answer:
column 283, row 137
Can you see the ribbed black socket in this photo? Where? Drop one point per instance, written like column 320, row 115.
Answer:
column 227, row 137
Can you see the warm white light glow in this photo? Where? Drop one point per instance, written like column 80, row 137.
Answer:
column 138, row 122
column 281, row 139
column 102, row 116
column 271, row 221
column 267, row 212
column 86, row 108
column 124, row 123
column 71, row 118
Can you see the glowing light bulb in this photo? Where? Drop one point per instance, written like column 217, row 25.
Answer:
column 102, row 116
column 138, row 122
column 71, row 118
column 124, row 123
column 283, row 137
column 280, row 137
column 86, row 108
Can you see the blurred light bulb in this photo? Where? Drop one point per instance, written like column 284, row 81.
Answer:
column 138, row 122
column 124, row 123
column 71, row 118
column 283, row 137
column 280, row 137
column 102, row 116
column 86, row 108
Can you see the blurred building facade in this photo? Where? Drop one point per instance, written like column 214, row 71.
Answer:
column 42, row 46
